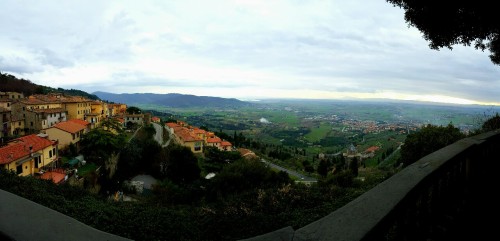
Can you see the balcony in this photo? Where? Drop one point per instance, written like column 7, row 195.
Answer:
column 447, row 195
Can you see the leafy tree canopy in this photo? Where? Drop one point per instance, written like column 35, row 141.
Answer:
column 99, row 144
column 492, row 124
column 429, row 139
column 445, row 23
column 133, row 110
column 182, row 165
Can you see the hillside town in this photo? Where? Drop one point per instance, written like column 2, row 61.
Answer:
column 35, row 128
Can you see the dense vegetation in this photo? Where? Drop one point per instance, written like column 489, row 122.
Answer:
column 429, row 139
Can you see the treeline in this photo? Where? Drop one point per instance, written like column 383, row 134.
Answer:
column 10, row 82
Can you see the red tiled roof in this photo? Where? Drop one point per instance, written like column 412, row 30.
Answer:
column 186, row 135
column 53, row 110
column 68, row 126
column 56, row 177
column 245, row 152
column 172, row 125
column 80, row 122
column 74, row 99
column 372, row 149
column 199, row 131
column 214, row 140
column 32, row 101
column 19, row 148
column 225, row 143
column 155, row 118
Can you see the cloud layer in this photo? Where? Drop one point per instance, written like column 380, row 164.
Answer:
column 240, row 48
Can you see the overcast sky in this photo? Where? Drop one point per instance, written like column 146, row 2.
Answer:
column 246, row 49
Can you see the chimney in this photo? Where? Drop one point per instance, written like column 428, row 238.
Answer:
column 31, row 150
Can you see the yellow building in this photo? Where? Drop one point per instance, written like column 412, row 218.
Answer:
column 117, row 109
column 187, row 138
column 5, row 103
column 77, row 107
column 28, row 155
column 17, row 127
column 13, row 95
column 99, row 112
column 67, row 132
column 195, row 138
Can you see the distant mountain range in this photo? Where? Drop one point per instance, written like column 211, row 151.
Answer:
column 171, row 100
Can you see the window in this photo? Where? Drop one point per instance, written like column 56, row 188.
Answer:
column 19, row 169
column 73, row 135
column 19, row 123
column 50, row 153
column 32, row 123
column 19, row 96
column 24, row 108
column 8, row 104
column 54, row 151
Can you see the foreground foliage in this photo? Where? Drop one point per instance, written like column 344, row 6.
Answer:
column 248, row 212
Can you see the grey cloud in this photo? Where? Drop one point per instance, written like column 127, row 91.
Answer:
column 49, row 57
column 18, row 65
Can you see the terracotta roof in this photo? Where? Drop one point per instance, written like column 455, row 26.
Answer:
column 172, row 125
column 33, row 101
column 187, row 136
column 56, row 177
column 19, row 148
column 199, row 131
column 245, row 152
column 54, row 110
column 69, row 126
column 225, row 143
column 214, row 140
column 155, row 118
column 80, row 122
column 74, row 99
column 46, row 98
column 372, row 149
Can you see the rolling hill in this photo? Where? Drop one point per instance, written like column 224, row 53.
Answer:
column 171, row 100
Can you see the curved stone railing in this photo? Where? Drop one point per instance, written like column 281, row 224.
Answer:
column 428, row 200
column 22, row 219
